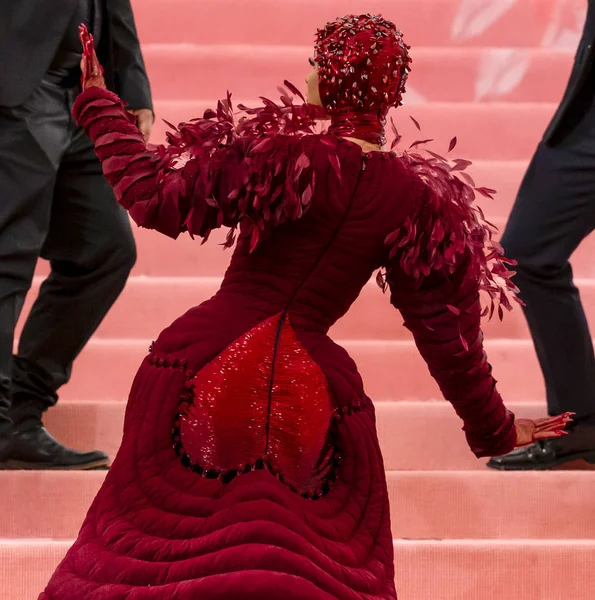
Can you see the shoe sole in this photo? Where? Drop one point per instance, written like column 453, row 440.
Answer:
column 16, row 465
column 587, row 459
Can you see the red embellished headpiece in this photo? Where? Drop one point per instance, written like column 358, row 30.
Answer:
column 363, row 64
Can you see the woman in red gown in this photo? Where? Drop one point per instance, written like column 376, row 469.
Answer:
column 250, row 467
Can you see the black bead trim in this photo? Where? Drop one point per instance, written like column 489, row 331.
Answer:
column 228, row 475
column 166, row 361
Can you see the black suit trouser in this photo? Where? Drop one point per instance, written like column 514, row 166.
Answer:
column 54, row 203
column 553, row 213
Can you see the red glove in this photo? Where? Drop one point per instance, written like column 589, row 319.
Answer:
column 529, row 431
column 90, row 67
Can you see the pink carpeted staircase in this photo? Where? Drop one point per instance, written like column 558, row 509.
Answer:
column 487, row 71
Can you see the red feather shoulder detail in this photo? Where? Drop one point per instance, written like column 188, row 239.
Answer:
column 257, row 166
column 251, row 166
column 447, row 223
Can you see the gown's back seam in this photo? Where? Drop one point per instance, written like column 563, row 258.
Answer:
column 280, row 325
column 329, row 243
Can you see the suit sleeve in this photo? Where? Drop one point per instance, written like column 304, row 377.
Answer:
column 130, row 75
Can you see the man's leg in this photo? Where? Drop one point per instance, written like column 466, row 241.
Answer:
column 554, row 211
column 28, row 165
column 91, row 251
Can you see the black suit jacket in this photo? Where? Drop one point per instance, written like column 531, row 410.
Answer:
column 580, row 92
column 31, row 31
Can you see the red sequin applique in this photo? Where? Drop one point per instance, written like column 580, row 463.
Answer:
column 263, row 402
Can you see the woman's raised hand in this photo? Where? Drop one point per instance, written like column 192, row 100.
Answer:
column 90, row 66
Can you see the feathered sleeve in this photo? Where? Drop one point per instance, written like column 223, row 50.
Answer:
column 213, row 172
column 439, row 261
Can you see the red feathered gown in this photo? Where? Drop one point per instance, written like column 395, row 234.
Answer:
column 250, row 467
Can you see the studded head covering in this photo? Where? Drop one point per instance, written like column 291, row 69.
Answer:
column 363, row 64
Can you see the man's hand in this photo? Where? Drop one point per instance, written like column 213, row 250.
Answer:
column 144, row 121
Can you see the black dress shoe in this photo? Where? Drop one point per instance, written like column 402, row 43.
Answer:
column 37, row 449
column 578, row 445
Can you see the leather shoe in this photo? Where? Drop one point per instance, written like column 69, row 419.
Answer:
column 578, row 445
column 37, row 449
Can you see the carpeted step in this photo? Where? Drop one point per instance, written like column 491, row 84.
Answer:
column 424, row 504
column 184, row 257
column 506, row 23
column 425, row 570
column 160, row 255
column 151, row 304
column 391, row 369
column 189, row 71
column 413, row 435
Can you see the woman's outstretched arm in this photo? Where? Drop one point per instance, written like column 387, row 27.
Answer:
column 157, row 195
column 215, row 172
column 443, row 313
column 435, row 272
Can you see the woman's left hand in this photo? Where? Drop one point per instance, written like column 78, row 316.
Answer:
column 529, row 431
